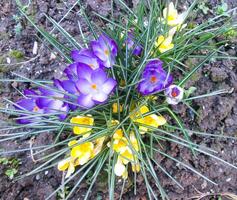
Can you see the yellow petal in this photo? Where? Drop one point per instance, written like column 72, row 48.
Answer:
column 120, row 144
column 134, row 141
column 125, row 174
column 136, row 167
column 172, row 31
column 160, row 40
column 84, row 158
column 163, row 49
column 64, row 164
column 115, row 108
column 161, row 120
column 167, row 41
column 170, row 14
column 71, row 143
column 119, row 169
column 144, row 109
column 98, row 146
column 79, row 150
column 118, row 134
column 70, row 170
column 127, row 156
column 137, row 115
column 82, row 120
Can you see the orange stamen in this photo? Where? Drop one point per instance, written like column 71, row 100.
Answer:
column 106, row 52
column 35, row 109
column 94, row 86
column 153, row 79
column 174, row 94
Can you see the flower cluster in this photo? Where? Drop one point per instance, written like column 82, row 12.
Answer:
column 80, row 154
column 43, row 101
column 126, row 150
column 88, row 84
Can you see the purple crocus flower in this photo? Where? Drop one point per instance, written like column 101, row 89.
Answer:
column 154, row 78
column 130, row 41
column 105, row 49
column 174, row 94
column 87, row 57
column 94, row 86
column 28, row 104
column 51, row 101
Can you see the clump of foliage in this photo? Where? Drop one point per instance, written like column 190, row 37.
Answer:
column 11, row 165
column 112, row 110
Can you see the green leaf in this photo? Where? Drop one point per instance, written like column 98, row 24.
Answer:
column 11, row 173
column 190, row 91
column 4, row 161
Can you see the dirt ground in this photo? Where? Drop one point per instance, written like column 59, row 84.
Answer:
column 217, row 114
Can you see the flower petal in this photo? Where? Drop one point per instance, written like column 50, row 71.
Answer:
column 109, row 85
column 25, row 104
column 85, row 101
column 119, row 169
column 98, row 51
column 98, row 76
column 100, row 97
column 71, row 71
column 43, row 102
column 70, row 170
column 30, row 93
column 84, row 71
column 84, row 86
column 69, row 86
column 63, row 164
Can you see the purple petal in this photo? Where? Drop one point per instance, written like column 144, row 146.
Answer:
column 46, row 92
column 69, row 86
column 85, row 101
column 43, row 102
column 71, row 71
column 86, row 52
column 98, row 77
column 29, row 92
column 114, row 48
column 98, row 51
column 137, row 51
column 109, row 85
column 27, row 104
column 75, row 54
column 57, row 83
column 84, row 71
column 100, row 97
column 23, row 121
column 54, row 106
column 84, row 86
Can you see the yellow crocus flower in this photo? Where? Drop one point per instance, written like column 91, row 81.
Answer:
column 82, row 120
column 164, row 43
column 149, row 120
column 171, row 16
column 68, row 163
column 80, row 155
